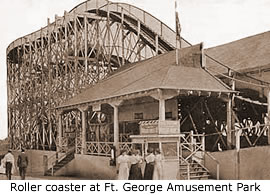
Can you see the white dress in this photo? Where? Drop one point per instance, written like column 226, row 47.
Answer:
column 123, row 161
column 158, row 168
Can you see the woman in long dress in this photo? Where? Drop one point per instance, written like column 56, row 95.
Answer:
column 135, row 172
column 158, row 168
column 123, row 165
column 149, row 168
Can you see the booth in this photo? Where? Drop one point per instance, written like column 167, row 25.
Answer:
column 164, row 135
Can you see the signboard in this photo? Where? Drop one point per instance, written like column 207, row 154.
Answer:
column 169, row 127
column 160, row 127
column 149, row 127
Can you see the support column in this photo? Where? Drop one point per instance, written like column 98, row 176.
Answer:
column 162, row 96
column 156, row 44
column 162, row 109
column 231, row 135
column 268, row 116
column 60, row 130
column 115, row 128
column 229, row 124
column 83, row 151
column 115, row 106
column 84, row 126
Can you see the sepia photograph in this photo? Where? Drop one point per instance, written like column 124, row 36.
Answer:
column 135, row 90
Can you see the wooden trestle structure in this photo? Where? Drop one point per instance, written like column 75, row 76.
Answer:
column 78, row 49
column 49, row 67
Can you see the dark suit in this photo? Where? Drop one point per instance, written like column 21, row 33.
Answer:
column 22, row 163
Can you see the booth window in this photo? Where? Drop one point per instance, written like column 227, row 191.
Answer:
column 138, row 116
column 169, row 149
column 168, row 115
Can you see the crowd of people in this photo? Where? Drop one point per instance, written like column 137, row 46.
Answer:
column 248, row 126
column 130, row 167
column 8, row 162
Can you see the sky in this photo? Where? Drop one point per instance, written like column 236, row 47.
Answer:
column 213, row 22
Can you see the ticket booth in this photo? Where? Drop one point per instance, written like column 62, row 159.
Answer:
column 164, row 135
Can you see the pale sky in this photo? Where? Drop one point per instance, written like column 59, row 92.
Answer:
column 213, row 22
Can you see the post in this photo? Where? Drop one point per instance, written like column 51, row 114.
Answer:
column 116, row 128
column 191, row 141
column 115, row 106
column 156, row 40
column 83, row 151
column 218, row 171
column 238, row 146
column 229, row 124
column 162, row 109
column 83, row 110
column 85, row 45
column 60, row 131
column 162, row 96
column 203, row 142
column 188, row 171
column 268, row 116
column 230, row 119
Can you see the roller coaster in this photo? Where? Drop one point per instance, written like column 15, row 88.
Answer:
column 76, row 50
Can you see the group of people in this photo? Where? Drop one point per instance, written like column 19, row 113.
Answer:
column 9, row 164
column 247, row 127
column 130, row 166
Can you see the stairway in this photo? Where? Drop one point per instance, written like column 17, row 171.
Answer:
column 58, row 165
column 196, row 171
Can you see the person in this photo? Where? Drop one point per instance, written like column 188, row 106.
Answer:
column 123, row 165
column 158, row 168
column 267, row 124
column 8, row 161
column 22, row 163
column 149, row 168
column 135, row 172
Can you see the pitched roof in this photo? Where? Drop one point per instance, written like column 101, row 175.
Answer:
column 242, row 55
column 160, row 72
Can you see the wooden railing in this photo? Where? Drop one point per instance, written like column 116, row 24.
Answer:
column 78, row 149
column 184, row 162
column 192, row 146
column 104, row 148
column 99, row 148
column 252, row 134
column 58, row 156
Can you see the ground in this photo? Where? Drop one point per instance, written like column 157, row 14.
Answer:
column 15, row 177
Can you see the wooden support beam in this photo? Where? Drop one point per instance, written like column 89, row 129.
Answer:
column 230, row 119
column 229, row 124
column 161, row 96
column 156, row 45
column 85, row 44
column 162, row 109
column 84, row 126
column 268, row 112
column 60, row 130
column 115, row 106
column 122, row 37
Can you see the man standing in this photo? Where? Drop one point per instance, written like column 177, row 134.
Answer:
column 22, row 163
column 8, row 161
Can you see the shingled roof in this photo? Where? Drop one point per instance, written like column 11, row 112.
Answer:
column 160, row 72
column 243, row 55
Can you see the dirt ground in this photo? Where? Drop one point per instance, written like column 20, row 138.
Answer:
column 3, row 177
